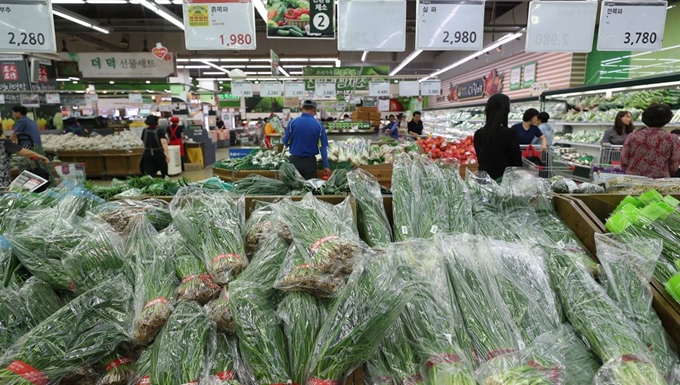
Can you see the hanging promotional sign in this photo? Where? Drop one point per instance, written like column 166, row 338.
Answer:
column 219, row 24
column 561, row 26
column 379, row 89
column 270, row 89
column 274, row 59
column 482, row 87
column 372, row 25
column 431, row 87
column 242, row 88
column 631, row 26
column 14, row 73
column 529, row 74
column 447, row 25
column 131, row 65
column 409, row 88
column 27, row 26
column 301, row 19
column 47, row 76
column 294, row 89
column 347, row 80
column 324, row 89
column 515, row 78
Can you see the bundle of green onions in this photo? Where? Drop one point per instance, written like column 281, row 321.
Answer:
column 8, row 204
column 299, row 313
column 118, row 213
column 610, row 335
column 291, row 177
column 361, row 316
column 219, row 311
column 396, row 362
column 460, row 206
column 92, row 325
column 180, row 353
column 374, row 227
column 299, row 273
column 155, row 280
column 119, row 369
column 9, row 264
column 222, row 368
column 261, row 340
column 143, row 374
column 336, row 184
column 258, row 224
column 267, row 261
column 195, row 282
column 224, row 249
column 260, row 185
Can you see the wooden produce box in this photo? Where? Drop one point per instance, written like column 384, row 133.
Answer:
column 93, row 160
column 116, row 162
column 465, row 167
column 382, row 172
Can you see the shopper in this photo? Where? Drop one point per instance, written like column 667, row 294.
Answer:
column 24, row 125
column 623, row 126
column 496, row 145
column 676, row 132
column 72, row 125
column 392, row 128
column 269, row 133
column 546, row 130
column 652, row 152
column 9, row 148
column 415, row 126
column 219, row 123
column 176, row 136
column 155, row 156
column 306, row 138
column 346, row 118
column 528, row 129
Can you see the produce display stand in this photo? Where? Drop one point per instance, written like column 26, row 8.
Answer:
column 106, row 163
column 94, row 161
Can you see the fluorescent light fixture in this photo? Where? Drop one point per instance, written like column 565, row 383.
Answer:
column 107, row 1
column 259, row 66
column 203, row 60
column 63, row 80
column 323, row 59
column 283, row 72
column 260, row 60
column 75, row 18
column 163, row 2
column 215, row 66
column 234, row 66
column 233, row 60
column 163, row 12
column 73, row 78
column 287, row 59
column 250, row 72
column 149, row 91
column 178, row 2
column 670, row 7
column 405, row 62
column 182, row 60
column 148, row 82
column 294, row 66
column 112, row 82
column 505, row 39
column 363, row 57
column 68, row 1
column 212, row 73
column 296, row 72
column 264, row 73
column 180, row 67
column 324, row 66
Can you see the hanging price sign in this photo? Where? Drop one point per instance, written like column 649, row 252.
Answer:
column 379, row 89
column 135, row 98
column 449, row 25
column 270, row 89
column 26, row 26
column 294, row 89
column 242, row 89
column 324, row 89
column 561, row 26
column 219, row 24
column 626, row 26
column 372, row 25
column 431, row 88
column 409, row 88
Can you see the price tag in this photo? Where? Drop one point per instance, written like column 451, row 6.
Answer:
column 52, row 99
column 449, row 25
column 294, row 89
column 324, row 89
column 409, row 88
column 26, row 26
column 242, row 89
column 561, row 26
column 370, row 25
column 2, row 98
column 431, row 88
column 379, row 89
column 135, row 98
column 270, row 89
column 626, row 26
column 219, row 24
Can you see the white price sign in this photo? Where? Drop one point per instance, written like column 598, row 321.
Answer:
column 324, row 89
column 561, row 26
column 219, row 24
column 135, row 98
column 294, row 89
column 409, row 88
column 242, row 89
column 626, row 26
column 52, row 99
column 27, row 26
column 372, row 25
column 379, row 89
column 449, row 25
column 270, row 89
column 431, row 88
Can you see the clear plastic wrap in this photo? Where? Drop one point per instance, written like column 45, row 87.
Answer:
column 301, row 319
column 219, row 311
column 629, row 369
column 361, row 316
column 399, row 361
column 258, row 225
column 223, row 369
column 374, row 228
column 155, row 280
column 267, row 261
column 459, row 203
column 119, row 368
column 299, row 273
column 143, row 374
column 91, row 326
column 118, row 213
column 8, row 204
column 181, row 351
column 195, row 282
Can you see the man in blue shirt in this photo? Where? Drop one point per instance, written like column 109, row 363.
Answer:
column 305, row 138
column 24, row 125
column 546, row 129
column 528, row 130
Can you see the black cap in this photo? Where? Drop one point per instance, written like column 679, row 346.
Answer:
column 151, row 120
column 309, row 103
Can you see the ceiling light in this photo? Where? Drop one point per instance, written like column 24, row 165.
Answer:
column 363, row 57
column 148, row 82
column 112, row 82
column 234, row 60
column 68, row 1
column 107, row 1
column 202, row 60
column 337, row 63
column 212, row 73
column 166, row 2
column 323, row 66
column 287, row 59
column 323, row 59
column 294, row 66
column 149, row 91
column 261, row 60
column 234, row 66
column 75, row 82
column 182, row 60
column 296, row 72
column 215, row 66
column 196, row 67
column 258, row 66
column 70, row 16
column 220, row 82
column 164, row 13
column 63, row 80
column 250, row 73
column 405, row 62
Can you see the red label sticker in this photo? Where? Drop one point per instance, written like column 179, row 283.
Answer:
column 320, row 242
column 226, row 376
column 118, row 362
column 225, row 256
column 156, row 301
column 443, row 358
column 146, row 380
column 28, row 372
column 498, row 352
column 316, row 381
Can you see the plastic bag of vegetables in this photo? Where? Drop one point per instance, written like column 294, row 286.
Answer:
column 119, row 213
column 195, row 282
column 119, row 368
column 396, row 362
column 9, row 264
column 143, row 374
column 300, row 273
column 260, row 225
column 219, row 311
column 374, row 228
column 92, row 325
column 223, row 369
column 301, row 319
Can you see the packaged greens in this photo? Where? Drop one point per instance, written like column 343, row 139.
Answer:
column 181, row 350
column 119, row 368
column 397, row 362
column 9, row 264
column 299, row 313
column 90, row 326
column 155, row 279
column 195, row 282
column 299, row 273
column 374, row 228
column 260, row 185
column 118, row 213
column 222, row 368
column 267, row 261
column 143, row 374
column 219, row 311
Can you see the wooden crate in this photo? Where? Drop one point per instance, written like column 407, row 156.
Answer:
column 134, row 159
column 382, row 172
column 94, row 161
column 465, row 167
column 116, row 162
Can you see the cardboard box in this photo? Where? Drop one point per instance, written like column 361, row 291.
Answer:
column 193, row 167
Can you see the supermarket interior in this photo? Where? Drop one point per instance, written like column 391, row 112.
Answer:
column 325, row 192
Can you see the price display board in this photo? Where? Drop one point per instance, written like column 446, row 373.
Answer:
column 449, row 25
column 324, row 89
column 219, row 24
column 631, row 26
column 294, row 89
column 270, row 89
column 27, row 26
column 379, row 89
column 409, row 88
column 431, row 88
column 135, row 98
column 242, row 89
column 561, row 26
column 370, row 25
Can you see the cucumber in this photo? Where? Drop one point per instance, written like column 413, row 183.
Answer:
column 295, row 28
column 285, row 27
column 282, row 32
column 296, row 33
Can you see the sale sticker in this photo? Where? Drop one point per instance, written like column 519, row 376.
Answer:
column 219, row 24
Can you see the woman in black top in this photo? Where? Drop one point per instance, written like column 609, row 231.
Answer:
column 9, row 148
column 155, row 156
column 496, row 144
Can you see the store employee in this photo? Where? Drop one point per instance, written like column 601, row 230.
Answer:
column 415, row 126
column 305, row 138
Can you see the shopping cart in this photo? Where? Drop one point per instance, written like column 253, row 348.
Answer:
column 608, row 163
column 545, row 164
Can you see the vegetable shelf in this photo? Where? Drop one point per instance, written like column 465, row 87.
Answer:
column 105, row 163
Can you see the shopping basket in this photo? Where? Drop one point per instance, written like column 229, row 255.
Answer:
column 545, row 164
column 608, row 162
